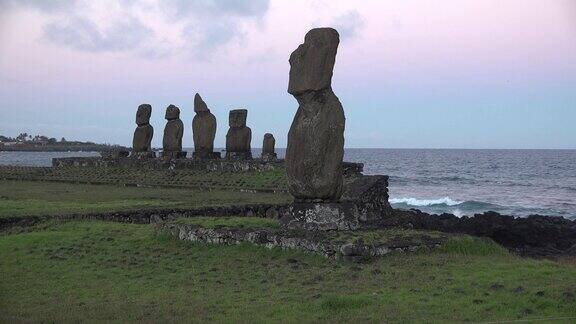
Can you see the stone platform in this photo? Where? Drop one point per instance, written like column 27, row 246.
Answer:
column 364, row 205
column 358, row 246
column 215, row 163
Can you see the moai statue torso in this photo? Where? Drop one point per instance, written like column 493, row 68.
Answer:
column 203, row 130
column 268, row 144
column 173, row 132
column 142, row 141
column 239, row 136
column 316, row 138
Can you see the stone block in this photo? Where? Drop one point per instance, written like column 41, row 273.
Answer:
column 364, row 204
column 143, row 155
column 174, row 155
column 321, row 216
column 205, row 155
column 239, row 155
column 269, row 157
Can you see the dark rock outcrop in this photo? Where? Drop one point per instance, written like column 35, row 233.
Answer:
column 204, row 130
column 316, row 138
column 173, row 132
column 268, row 144
column 142, row 142
column 370, row 194
column 533, row 235
column 239, row 136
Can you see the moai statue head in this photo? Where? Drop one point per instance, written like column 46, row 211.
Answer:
column 172, row 112
column 311, row 64
column 237, row 118
column 199, row 104
column 143, row 114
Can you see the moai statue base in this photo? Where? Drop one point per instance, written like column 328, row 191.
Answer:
column 115, row 154
column 269, row 157
column 143, row 155
column 239, row 155
column 364, row 205
column 321, row 216
column 201, row 155
column 170, row 155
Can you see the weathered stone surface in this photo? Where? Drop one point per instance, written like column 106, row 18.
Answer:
column 204, row 130
column 364, row 205
column 370, row 194
column 312, row 63
column 144, row 132
column 239, row 136
column 350, row 248
column 173, row 132
column 114, row 154
column 316, row 138
column 352, row 169
column 321, row 216
column 268, row 145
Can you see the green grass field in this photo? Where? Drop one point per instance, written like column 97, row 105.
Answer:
column 19, row 198
column 104, row 271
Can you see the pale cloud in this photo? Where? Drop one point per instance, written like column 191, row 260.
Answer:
column 348, row 24
column 254, row 8
column 41, row 5
column 82, row 33
column 202, row 27
column 211, row 25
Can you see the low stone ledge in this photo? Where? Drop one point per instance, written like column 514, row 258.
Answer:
column 307, row 241
column 150, row 215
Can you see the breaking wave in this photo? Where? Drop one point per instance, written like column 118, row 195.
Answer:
column 446, row 201
column 447, row 205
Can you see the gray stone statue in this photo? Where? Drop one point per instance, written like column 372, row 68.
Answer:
column 239, row 136
column 203, row 130
column 268, row 144
column 173, row 132
column 316, row 138
column 142, row 141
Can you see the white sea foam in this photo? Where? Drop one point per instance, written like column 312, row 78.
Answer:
column 425, row 202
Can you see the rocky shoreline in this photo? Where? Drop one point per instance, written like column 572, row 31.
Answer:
column 535, row 235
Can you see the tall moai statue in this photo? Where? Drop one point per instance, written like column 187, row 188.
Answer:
column 203, row 130
column 316, row 138
column 173, row 132
column 239, row 136
column 142, row 141
column 268, row 145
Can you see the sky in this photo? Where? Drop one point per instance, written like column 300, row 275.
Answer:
column 409, row 74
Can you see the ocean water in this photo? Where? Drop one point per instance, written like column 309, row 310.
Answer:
column 461, row 182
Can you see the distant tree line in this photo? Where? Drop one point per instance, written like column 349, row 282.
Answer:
column 27, row 142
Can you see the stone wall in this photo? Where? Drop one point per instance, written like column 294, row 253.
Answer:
column 151, row 215
column 353, row 249
column 251, row 181
column 158, row 163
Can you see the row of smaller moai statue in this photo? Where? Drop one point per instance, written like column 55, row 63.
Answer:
column 238, row 138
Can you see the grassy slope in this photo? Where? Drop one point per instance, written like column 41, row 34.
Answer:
column 41, row 198
column 111, row 271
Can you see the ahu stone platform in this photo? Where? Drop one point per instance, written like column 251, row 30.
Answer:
column 358, row 246
column 178, row 163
